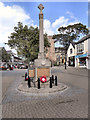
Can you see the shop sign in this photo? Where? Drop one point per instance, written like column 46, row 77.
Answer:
column 80, row 56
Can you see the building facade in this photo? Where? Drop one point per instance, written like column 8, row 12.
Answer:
column 71, row 54
column 60, row 55
column 51, row 51
column 82, row 51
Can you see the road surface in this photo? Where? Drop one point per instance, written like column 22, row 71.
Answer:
column 71, row 103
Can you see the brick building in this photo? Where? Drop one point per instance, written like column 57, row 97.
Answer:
column 51, row 50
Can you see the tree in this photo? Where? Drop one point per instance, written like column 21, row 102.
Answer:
column 26, row 41
column 4, row 56
column 70, row 34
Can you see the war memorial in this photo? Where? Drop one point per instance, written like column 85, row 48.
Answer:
column 39, row 79
column 42, row 91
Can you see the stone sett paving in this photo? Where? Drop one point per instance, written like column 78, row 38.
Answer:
column 71, row 103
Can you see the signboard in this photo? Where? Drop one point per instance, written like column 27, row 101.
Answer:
column 32, row 73
column 43, row 71
column 80, row 56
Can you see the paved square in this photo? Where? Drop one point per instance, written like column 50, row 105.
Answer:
column 70, row 103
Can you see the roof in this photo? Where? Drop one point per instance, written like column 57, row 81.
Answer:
column 73, row 44
column 50, row 37
column 83, row 39
column 17, row 57
column 60, row 48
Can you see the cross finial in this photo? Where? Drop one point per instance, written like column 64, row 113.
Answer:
column 41, row 7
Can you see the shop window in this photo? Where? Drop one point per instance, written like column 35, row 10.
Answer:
column 82, row 61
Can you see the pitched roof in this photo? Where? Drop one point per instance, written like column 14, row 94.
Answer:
column 83, row 39
column 73, row 44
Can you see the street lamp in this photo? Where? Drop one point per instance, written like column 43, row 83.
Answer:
column 66, row 46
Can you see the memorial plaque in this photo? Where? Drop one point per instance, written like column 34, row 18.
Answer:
column 43, row 71
column 32, row 73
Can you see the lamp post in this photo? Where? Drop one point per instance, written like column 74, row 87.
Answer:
column 66, row 55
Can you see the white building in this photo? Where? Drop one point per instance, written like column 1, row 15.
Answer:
column 82, row 51
column 71, row 54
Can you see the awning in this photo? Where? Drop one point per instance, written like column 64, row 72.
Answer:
column 80, row 56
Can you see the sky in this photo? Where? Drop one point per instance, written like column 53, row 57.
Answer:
column 89, row 14
column 56, row 14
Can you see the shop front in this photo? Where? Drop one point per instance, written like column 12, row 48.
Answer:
column 81, row 60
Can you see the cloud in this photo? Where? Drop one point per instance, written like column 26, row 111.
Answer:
column 52, row 28
column 11, row 15
column 9, row 18
column 59, row 22
column 71, row 15
column 48, row 27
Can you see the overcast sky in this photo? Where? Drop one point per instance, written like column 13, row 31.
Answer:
column 56, row 14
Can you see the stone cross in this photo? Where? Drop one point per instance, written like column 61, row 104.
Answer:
column 41, row 39
column 41, row 7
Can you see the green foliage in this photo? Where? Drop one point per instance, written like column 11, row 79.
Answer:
column 70, row 33
column 26, row 41
column 4, row 56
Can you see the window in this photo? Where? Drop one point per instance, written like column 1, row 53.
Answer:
column 80, row 48
column 71, row 51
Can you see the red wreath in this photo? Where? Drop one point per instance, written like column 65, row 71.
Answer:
column 43, row 79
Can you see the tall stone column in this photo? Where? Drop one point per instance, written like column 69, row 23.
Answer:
column 41, row 39
column 42, row 65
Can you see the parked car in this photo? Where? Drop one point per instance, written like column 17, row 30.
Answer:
column 3, row 68
column 22, row 67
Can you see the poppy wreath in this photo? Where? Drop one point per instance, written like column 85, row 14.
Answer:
column 27, row 78
column 43, row 79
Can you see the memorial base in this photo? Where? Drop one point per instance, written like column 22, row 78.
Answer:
column 42, row 68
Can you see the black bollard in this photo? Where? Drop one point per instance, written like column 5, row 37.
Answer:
column 25, row 76
column 52, row 78
column 38, row 83
column 65, row 66
column 29, row 82
column 50, row 82
column 56, row 80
